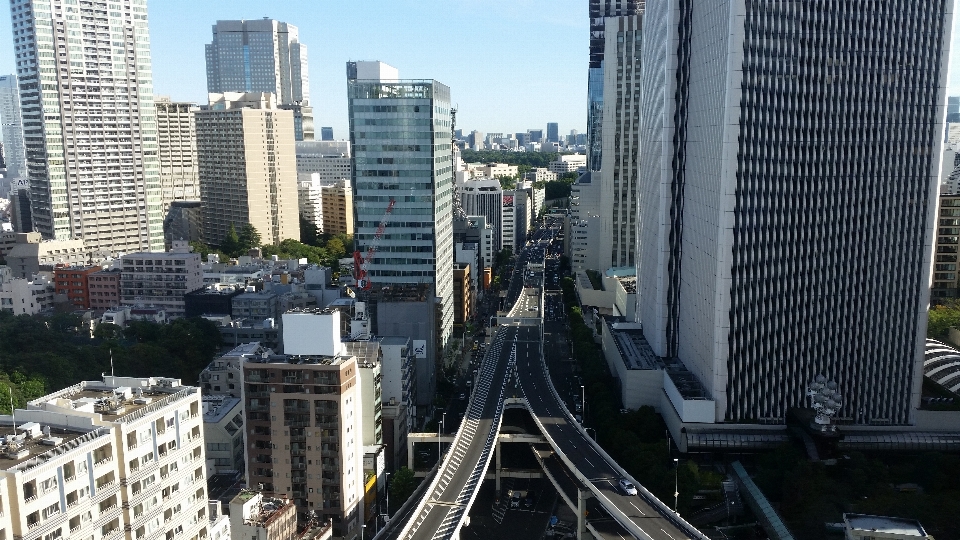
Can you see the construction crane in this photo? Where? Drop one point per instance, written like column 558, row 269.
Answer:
column 361, row 261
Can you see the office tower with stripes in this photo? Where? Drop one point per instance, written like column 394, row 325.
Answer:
column 788, row 187
column 86, row 94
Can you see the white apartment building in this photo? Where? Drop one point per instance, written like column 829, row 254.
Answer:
column 539, row 174
column 496, row 170
column 177, row 148
column 310, row 199
column 254, row 515
column 223, row 434
column 160, row 279
column 112, row 459
column 329, row 159
column 86, row 91
column 568, row 163
column 247, row 167
column 26, row 296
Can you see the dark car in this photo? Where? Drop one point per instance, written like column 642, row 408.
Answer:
column 529, row 500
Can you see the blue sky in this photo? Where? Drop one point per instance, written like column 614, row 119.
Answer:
column 511, row 65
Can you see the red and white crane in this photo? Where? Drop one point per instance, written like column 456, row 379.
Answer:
column 361, row 261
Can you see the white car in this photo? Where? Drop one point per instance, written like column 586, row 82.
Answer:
column 627, row 487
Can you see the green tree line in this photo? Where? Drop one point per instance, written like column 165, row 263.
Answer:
column 41, row 354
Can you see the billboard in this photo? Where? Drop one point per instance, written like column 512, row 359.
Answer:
column 420, row 348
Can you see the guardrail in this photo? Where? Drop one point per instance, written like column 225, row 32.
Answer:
column 649, row 497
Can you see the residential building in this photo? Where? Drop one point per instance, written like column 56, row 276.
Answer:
column 400, row 134
column 256, row 305
column 599, row 11
column 223, row 376
column 337, row 204
column 211, row 299
column 223, row 433
column 568, row 163
column 369, row 365
column 303, row 422
column 620, row 141
column 262, row 55
column 583, row 234
column 553, row 132
column 32, row 254
column 540, row 174
column 496, row 170
column 946, row 257
column 11, row 128
column 309, row 201
column 328, row 159
column 256, row 515
column 236, row 332
column 74, row 282
column 749, row 258
column 120, row 454
column 469, row 253
column 160, row 279
column 519, row 202
column 536, row 197
column 508, row 225
column 475, row 230
column 104, row 288
column 484, row 197
column 326, row 134
column 219, row 522
column 247, row 168
column 89, row 132
column 463, row 295
column 183, row 221
column 22, row 296
column 177, row 150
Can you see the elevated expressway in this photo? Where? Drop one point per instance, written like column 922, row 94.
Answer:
column 515, row 357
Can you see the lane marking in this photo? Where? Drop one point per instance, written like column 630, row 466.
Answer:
column 666, row 533
column 642, row 513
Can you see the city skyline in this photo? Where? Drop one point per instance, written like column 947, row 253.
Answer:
column 334, row 34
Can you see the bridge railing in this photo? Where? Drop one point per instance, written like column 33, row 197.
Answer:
column 665, row 511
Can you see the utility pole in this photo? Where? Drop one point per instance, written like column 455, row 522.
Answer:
column 676, row 484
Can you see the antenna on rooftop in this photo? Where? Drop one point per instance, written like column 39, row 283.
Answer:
column 111, row 362
column 11, row 413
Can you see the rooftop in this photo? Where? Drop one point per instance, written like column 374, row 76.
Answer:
column 888, row 525
column 301, row 360
column 216, row 408
column 367, row 352
column 632, row 345
column 116, row 399
column 262, row 514
column 32, row 443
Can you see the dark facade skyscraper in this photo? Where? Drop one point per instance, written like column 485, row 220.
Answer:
column 262, row 55
column 326, row 134
column 553, row 132
column 787, row 198
column 598, row 10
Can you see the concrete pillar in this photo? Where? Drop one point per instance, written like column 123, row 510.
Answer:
column 410, row 453
column 496, row 456
column 582, row 497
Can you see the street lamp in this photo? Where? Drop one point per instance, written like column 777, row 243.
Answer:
column 388, row 497
column 583, row 402
column 676, row 485
column 443, row 422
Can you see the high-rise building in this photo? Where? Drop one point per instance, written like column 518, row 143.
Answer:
column 484, row 197
column 102, row 457
column 86, row 91
column 620, row 141
column 945, row 272
column 262, row 55
column 177, row 148
column 326, row 134
column 553, row 132
column 599, row 10
column 11, row 128
column 329, row 159
column 535, row 135
column 400, row 132
column 160, row 279
column 247, row 164
column 308, row 446
column 769, row 244
column 337, row 203
column 310, row 202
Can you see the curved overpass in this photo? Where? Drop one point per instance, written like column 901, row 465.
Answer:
column 516, row 357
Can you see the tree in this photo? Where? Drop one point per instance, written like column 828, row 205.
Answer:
column 335, row 248
column 941, row 318
column 402, row 484
column 249, row 238
column 231, row 242
column 309, row 234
